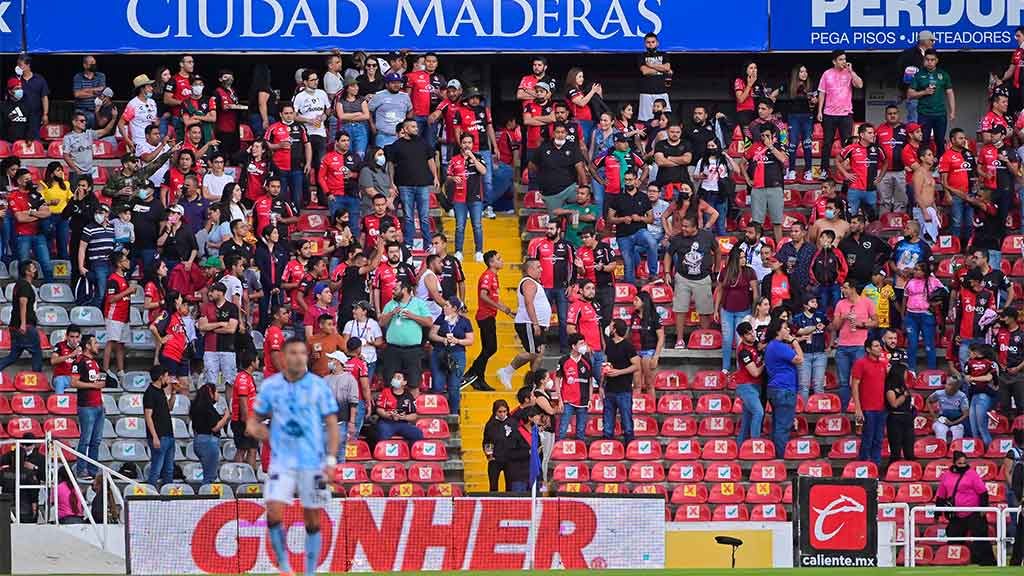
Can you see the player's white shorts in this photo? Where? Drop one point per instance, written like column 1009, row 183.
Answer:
column 283, row 484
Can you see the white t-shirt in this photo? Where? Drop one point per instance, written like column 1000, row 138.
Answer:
column 311, row 106
column 215, row 184
column 140, row 114
column 333, row 83
column 234, row 286
column 368, row 332
column 144, row 147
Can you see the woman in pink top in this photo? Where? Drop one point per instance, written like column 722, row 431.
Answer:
column 853, row 317
column 961, row 486
column 835, row 104
column 919, row 318
column 69, row 506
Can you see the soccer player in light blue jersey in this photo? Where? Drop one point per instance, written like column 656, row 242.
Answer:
column 301, row 408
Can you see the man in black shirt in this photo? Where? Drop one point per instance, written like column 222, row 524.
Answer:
column 621, row 365
column 559, row 167
column 451, row 278
column 672, row 156
column 24, row 335
column 692, row 256
column 631, row 212
column 147, row 212
column 991, row 279
column 864, row 252
column 236, row 245
column 219, row 323
column 1012, row 377
column 157, row 403
column 702, row 132
column 14, row 113
column 413, row 169
column 657, row 76
column 604, row 272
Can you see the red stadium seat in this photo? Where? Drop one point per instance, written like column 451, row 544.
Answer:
column 608, row 472
column 929, row 448
column 713, row 404
column 730, row 513
column 349, row 473
column 999, row 447
column 434, row 428
column 860, row 469
column 832, row 425
column 388, row 473
column 716, row 426
column 643, row 426
column 693, row 513
column 391, row 449
column 5, row 407
column 686, row 472
column 690, row 494
column 245, row 134
column 675, row 404
column 844, row 449
column 1012, row 244
column 29, row 149
column 55, row 150
column 28, row 404
column 774, row 471
column 904, row 471
column 768, row 513
column 406, row 491
column 764, row 493
column 611, row 488
column 103, row 150
column 357, row 451
column 972, row 447
column 934, row 469
column 573, row 488
column 596, row 405
column 650, row 489
column 53, row 131
column 643, row 404
column 930, row 380
column 432, row 405
column 607, row 450
column 624, row 293
column 1000, row 426
column 720, row 449
column 946, row 245
column 948, row 267
column 987, row 470
column 723, row 472
column 533, row 200
column 802, row 449
column 19, row 427
column 31, row 382
column 571, row 472
column 922, row 425
column 705, row 340
column 6, row 383
column 62, row 427
column 669, row 381
column 914, row 493
column 952, row 555
column 569, row 450
column 312, row 223
column 815, row 469
column 683, row 449
column 757, row 449
column 726, row 493
column 537, row 223
column 660, row 292
column 922, row 555
column 646, row 472
column 893, row 221
column 426, row 472
column 996, row 492
column 823, row 404
column 709, row 380
column 444, row 490
column 366, row 490
column 643, row 450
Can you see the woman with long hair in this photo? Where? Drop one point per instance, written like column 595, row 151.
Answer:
column 371, row 80
column 451, row 334
column 579, row 97
column 232, row 208
column 803, row 98
column 169, row 331
column 760, row 317
column 162, row 76
column 648, row 336
column 154, row 288
column 262, row 100
column 496, row 434
column 918, row 317
column 737, row 291
column 688, row 204
column 70, row 509
column 365, row 327
column 271, row 257
column 748, row 88
column 713, row 174
column 899, row 424
column 782, row 358
column 56, row 191
column 256, row 163
column 374, row 177
column 207, row 424
column 353, row 112
column 542, row 386
column 625, row 122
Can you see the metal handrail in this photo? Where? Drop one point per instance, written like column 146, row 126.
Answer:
column 909, row 550
column 1000, row 538
column 18, row 486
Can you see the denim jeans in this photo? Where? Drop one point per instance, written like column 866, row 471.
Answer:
column 354, row 207
column 487, row 157
column 923, row 323
column 144, row 255
column 359, row 135
column 753, row 412
column 730, row 320
column 27, row 342
column 801, row 129
column 90, row 425
column 783, row 413
column 871, row 437
column 845, row 357
column 9, row 243
column 442, row 380
column 35, row 244
column 597, row 359
column 828, row 297
column 207, row 448
column 722, row 207
column 560, row 302
column 98, row 274
column 812, row 373
column 586, row 127
column 911, row 106
column 293, row 182
column 501, row 183
column 416, row 200
column 161, row 460
column 344, row 437
column 570, row 412
column 981, row 403
column 389, row 428
column 59, row 229
column 995, row 259
column 621, row 402
column 627, row 245
column 61, row 383
column 961, row 218
column 936, row 124
column 856, row 197
column 427, row 131
column 597, row 190
column 255, row 122
column 475, row 212
column 382, row 140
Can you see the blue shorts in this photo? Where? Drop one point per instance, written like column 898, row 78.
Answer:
column 175, row 368
column 647, row 353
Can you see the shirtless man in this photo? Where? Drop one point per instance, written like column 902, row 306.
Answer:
column 832, row 220
column 924, row 193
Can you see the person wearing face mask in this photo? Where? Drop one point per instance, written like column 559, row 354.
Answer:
column 961, row 486
column 176, row 241
column 87, row 85
column 576, row 378
column 139, row 114
column 609, row 169
column 404, row 317
column 338, row 179
column 227, row 107
column 200, row 109
column 346, row 391
column 94, row 250
column 124, row 184
column 396, row 410
column 497, row 435
column 36, row 95
column 30, row 210
column 828, row 271
column 538, row 112
column 559, row 168
column 146, row 214
column 14, row 113
column 292, row 154
column 389, row 108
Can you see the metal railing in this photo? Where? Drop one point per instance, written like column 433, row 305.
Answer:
column 897, row 542
column 1002, row 513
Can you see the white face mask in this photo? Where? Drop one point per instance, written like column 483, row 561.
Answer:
column 560, row 142
column 583, row 349
column 18, row 93
column 18, row 71
column 380, row 160
column 197, row 91
column 98, row 218
column 98, row 102
column 396, row 383
column 549, row 384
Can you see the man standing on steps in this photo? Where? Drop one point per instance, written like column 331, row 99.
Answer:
column 533, row 316
column 489, row 297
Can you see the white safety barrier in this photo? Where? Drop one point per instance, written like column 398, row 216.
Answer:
column 897, row 541
column 999, row 539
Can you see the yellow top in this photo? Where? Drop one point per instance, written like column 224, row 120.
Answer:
column 55, row 193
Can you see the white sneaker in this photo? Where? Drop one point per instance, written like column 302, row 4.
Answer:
column 505, row 375
column 791, row 175
column 479, row 257
column 458, row 256
column 489, row 213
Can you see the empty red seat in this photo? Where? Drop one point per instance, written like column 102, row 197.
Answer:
column 1012, row 244
column 611, row 450
column 357, row 451
column 683, row 449
column 533, row 200
column 757, row 449
column 832, row 425
column 5, row 407
column 432, row 405
column 686, row 472
column 55, row 150
column 53, row 131
column 693, row 513
column 61, row 427
column 996, row 492
column 914, row 493
column 366, row 490
column 661, row 293
column 624, row 293
column 730, row 513
column 690, row 494
column 988, row 471
column 6, row 383
column 62, row 404
column 406, row 490
column 569, row 450
column 28, row 404
column 802, row 449
column 573, row 488
column 31, row 382
column 860, row 469
column 312, row 223
column 930, row 380
column 844, row 449
column 388, row 473
column 815, row 469
column 426, row 472
column 28, row 149
column 19, row 427
column 904, row 471
column 676, row 426
column 675, row 404
column 764, row 493
column 713, row 403
column 824, row 403
column 723, row 472
column 611, row 488
column 595, row 428
column 922, row 555
column 934, row 469
column 571, row 472
column 929, row 448
column 773, row 471
column 643, row 404
column 391, row 449
column 768, row 513
column 537, row 223
column 708, row 380
column 922, row 425
column 650, row 489
column 434, row 428
column 646, row 472
column 643, row 449
column 643, row 426
column 972, row 447
column 726, row 493
column 103, row 150
column 952, row 555
column 705, row 340
column 999, row 447
column 716, row 426
column 670, row 380
column 349, row 473
column 608, row 472
column 444, row 490
column 720, row 449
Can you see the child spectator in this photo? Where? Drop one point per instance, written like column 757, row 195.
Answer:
column 124, row 230
column 883, row 296
column 980, row 372
column 810, row 326
column 828, row 270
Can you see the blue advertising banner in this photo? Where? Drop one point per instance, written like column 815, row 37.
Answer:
column 383, row 25
column 10, row 26
column 817, row 25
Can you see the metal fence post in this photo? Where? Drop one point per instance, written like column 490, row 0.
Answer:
column 5, row 533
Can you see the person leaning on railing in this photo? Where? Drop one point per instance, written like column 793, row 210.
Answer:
column 961, row 486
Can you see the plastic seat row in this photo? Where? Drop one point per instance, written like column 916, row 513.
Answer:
column 397, row 450
column 730, row 513
column 391, row 473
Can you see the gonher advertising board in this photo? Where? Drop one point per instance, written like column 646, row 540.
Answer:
column 835, row 523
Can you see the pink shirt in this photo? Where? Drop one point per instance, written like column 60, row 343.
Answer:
column 862, row 310
column 917, row 294
column 68, row 503
column 968, row 494
column 838, row 88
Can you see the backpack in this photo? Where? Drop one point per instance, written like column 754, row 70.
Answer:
column 1017, row 471
column 85, row 291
